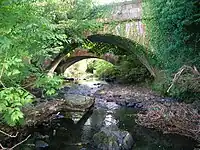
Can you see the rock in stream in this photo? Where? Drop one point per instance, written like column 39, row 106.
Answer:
column 112, row 138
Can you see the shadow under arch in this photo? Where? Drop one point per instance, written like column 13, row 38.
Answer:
column 126, row 47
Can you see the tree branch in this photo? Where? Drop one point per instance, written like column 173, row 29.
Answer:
column 4, row 148
column 12, row 136
column 178, row 74
column 20, row 143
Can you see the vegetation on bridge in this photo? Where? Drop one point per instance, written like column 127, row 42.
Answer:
column 33, row 31
column 122, row 47
column 173, row 29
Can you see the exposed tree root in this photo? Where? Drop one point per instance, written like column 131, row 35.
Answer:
column 172, row 118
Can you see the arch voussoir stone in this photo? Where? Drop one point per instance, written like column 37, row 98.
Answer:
column 64, row 61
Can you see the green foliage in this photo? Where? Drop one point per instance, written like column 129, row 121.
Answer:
column 173, row 28
column 132, row 71
column 73, row 20
column 129, row 70
column 32, row 31
column 161, row 83
column 102, row 69
column 11, row 100
column 186, row 88
column 49, row 85
column 90, row 67
column 23, row 39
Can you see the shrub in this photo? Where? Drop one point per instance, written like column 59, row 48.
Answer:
column 11, row 101
column 186, row 84
column 102, row 69
column 49, row 85
column 129, row 70
column 132, row 71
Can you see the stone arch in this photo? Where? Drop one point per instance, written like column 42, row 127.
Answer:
column 62, row 61
column 125, row 46
column 72, row 60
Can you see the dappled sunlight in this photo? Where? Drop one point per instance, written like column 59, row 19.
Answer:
column 84, row 70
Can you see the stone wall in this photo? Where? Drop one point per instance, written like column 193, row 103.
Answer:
column 126, row 21
column 127, row 11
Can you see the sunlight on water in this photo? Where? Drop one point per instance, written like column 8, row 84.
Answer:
column 110, row 120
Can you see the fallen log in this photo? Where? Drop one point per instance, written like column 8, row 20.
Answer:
column 45, row 111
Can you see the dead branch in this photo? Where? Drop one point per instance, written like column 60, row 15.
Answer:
column 176, row 77
column 195, row 70
column 12, row 136
column 179, row 73
column 4, row 148
column 20, row 143
column 173, row 118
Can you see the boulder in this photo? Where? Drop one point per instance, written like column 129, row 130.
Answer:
column 41, row 144
column 47, row 110
column 112, row 138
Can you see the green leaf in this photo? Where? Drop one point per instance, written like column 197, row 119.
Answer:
column 15, row 72
column 16, row 115
column 2, row 107
column 16, row 104
column 9, row 73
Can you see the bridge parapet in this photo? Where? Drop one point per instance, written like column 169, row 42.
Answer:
column 125, row 20
column 125, row 11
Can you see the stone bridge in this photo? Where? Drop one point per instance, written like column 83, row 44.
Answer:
column 123, row 28
column 80, row 54
column 125, row 21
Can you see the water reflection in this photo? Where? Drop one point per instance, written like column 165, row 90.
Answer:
column 77, row 134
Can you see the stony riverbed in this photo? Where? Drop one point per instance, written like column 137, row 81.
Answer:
column 109, row 126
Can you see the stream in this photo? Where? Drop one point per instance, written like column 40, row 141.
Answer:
column 78, row 133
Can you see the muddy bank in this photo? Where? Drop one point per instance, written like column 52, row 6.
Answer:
column 118, row 92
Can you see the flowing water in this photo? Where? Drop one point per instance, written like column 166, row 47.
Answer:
column 77, row 133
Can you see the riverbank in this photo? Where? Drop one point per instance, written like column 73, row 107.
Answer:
column 122, row 110
column 161, row 113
